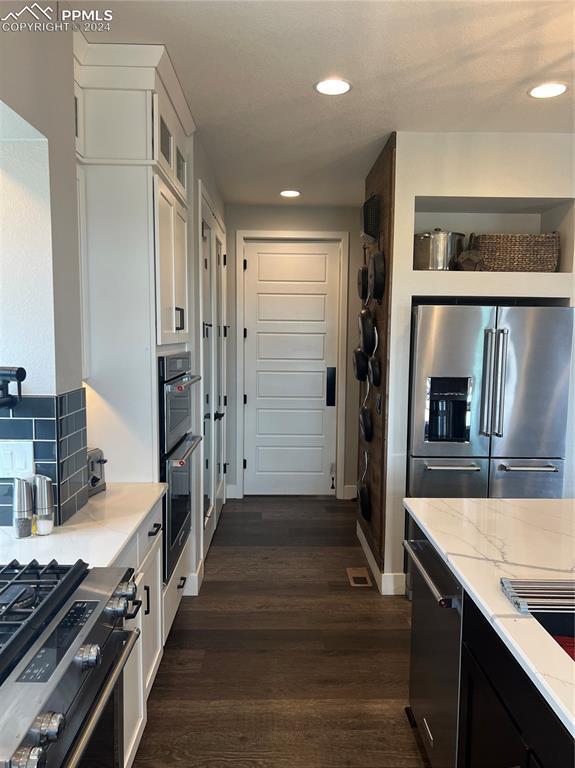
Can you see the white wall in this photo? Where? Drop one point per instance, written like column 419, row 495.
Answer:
column 466, row 165
column 36, row 81
column 26, row 294
column 297, row 217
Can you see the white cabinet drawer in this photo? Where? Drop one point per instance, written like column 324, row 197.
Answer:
column 149, row 532
column 151, row 597
column 134, row 693
column 174, row 589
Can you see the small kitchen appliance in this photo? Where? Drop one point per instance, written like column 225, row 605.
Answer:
column 96, row 471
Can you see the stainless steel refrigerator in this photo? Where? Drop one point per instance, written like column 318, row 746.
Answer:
column 489, row 399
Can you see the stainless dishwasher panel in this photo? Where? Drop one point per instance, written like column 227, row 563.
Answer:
column 448, row 478
column 526, row 478
column 435, row 652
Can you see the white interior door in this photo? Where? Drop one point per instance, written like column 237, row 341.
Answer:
column 291, row 295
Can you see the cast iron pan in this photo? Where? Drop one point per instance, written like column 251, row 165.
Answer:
column 360, row 364
column 374, row 371
column 376, row 276
column 366, row 331
column 362, row 288
column 366, row 423
column 363, row 501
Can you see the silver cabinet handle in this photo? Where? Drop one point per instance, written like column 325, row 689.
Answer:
column 442, row 600
column 500, row 374
column 486, row 407
column 452, row 468
column 519, row 468
column 94, row 717
column 181, row 460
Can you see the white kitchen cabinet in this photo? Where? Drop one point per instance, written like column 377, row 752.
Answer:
column 135, row 713
column 172, row 311
column 174, row 589
column 169, row 140
column 152, row 621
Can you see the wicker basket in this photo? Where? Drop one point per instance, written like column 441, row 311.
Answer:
column 517, row 253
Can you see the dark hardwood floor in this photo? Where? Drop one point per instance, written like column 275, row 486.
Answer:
column 280, row 663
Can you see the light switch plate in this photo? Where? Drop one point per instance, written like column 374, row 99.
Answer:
column 16, row 458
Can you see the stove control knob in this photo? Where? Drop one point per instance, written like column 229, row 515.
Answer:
column 89, row 657
column 28, row 757
column 48, row 727
column 127, row 589
column 117, row 607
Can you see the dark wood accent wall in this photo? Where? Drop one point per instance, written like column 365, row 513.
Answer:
column 380, row 181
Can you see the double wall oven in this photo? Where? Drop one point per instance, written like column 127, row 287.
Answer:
column 177, row 445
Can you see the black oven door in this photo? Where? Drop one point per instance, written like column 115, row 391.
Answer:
column 177, row 411
column 178, row 503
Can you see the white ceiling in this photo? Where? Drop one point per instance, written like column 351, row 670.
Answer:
column 248, row 66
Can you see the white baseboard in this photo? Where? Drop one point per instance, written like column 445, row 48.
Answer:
column 349, row 492
column 194, row 582
column 386, row 583
column 233, row 492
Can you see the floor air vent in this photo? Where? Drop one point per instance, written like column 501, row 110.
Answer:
column 358, row 577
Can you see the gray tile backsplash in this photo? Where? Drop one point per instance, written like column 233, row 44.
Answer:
column 57, row 426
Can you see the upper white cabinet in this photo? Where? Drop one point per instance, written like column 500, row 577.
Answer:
column 171, row 225
column 169, row 141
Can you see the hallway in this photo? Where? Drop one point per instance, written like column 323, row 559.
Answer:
column 279, row 663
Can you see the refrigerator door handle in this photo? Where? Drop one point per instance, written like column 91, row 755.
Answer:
column 486, row 407
column 452, row 468
column 500, row 376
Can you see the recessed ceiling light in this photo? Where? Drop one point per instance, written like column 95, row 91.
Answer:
column 332, row 86
column 547, row 90
column 289, row 193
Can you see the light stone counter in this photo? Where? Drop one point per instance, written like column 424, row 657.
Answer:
column 97, row 534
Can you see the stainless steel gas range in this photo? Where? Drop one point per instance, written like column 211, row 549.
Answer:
column 62, row 651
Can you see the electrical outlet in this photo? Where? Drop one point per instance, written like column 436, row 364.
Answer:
column 16, row 458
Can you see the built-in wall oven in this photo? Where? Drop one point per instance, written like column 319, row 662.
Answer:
column 177, row 445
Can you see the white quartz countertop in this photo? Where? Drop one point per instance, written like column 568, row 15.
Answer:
column 96, row 534
column 483, row 540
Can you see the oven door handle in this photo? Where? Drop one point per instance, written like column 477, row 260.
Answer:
column 183, row 384
column 75, row 757
column 181, row 460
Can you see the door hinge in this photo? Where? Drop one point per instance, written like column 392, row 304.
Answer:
column 225, row 399
column 225, row 468
column 204, row 236
column 207, row 464
column 245, row 399
column 245, row 264
column 245, row 333
column 225, row 265
column 225, row 327
column 245, row 463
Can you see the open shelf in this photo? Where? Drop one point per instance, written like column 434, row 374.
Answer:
column 483, row 215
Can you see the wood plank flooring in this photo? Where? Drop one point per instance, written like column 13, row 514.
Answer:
column 280, row 663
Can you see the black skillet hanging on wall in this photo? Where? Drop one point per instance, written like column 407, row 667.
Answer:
column 360, row 364
column 362, row 283
column 367, row 337
column 374, row 371
column 376, row 276
column 363, row 497
column 366, row 423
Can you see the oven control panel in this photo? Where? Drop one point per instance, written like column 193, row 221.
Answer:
column 45, row 661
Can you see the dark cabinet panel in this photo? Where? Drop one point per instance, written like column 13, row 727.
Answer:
column 488, row 735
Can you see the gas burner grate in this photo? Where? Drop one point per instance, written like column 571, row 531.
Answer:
column 30, row 595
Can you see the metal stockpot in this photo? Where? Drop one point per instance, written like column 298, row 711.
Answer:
column 437, row 249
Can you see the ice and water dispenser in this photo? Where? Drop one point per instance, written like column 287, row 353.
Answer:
column 448, row 409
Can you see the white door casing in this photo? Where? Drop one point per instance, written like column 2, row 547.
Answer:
column 291, row 315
